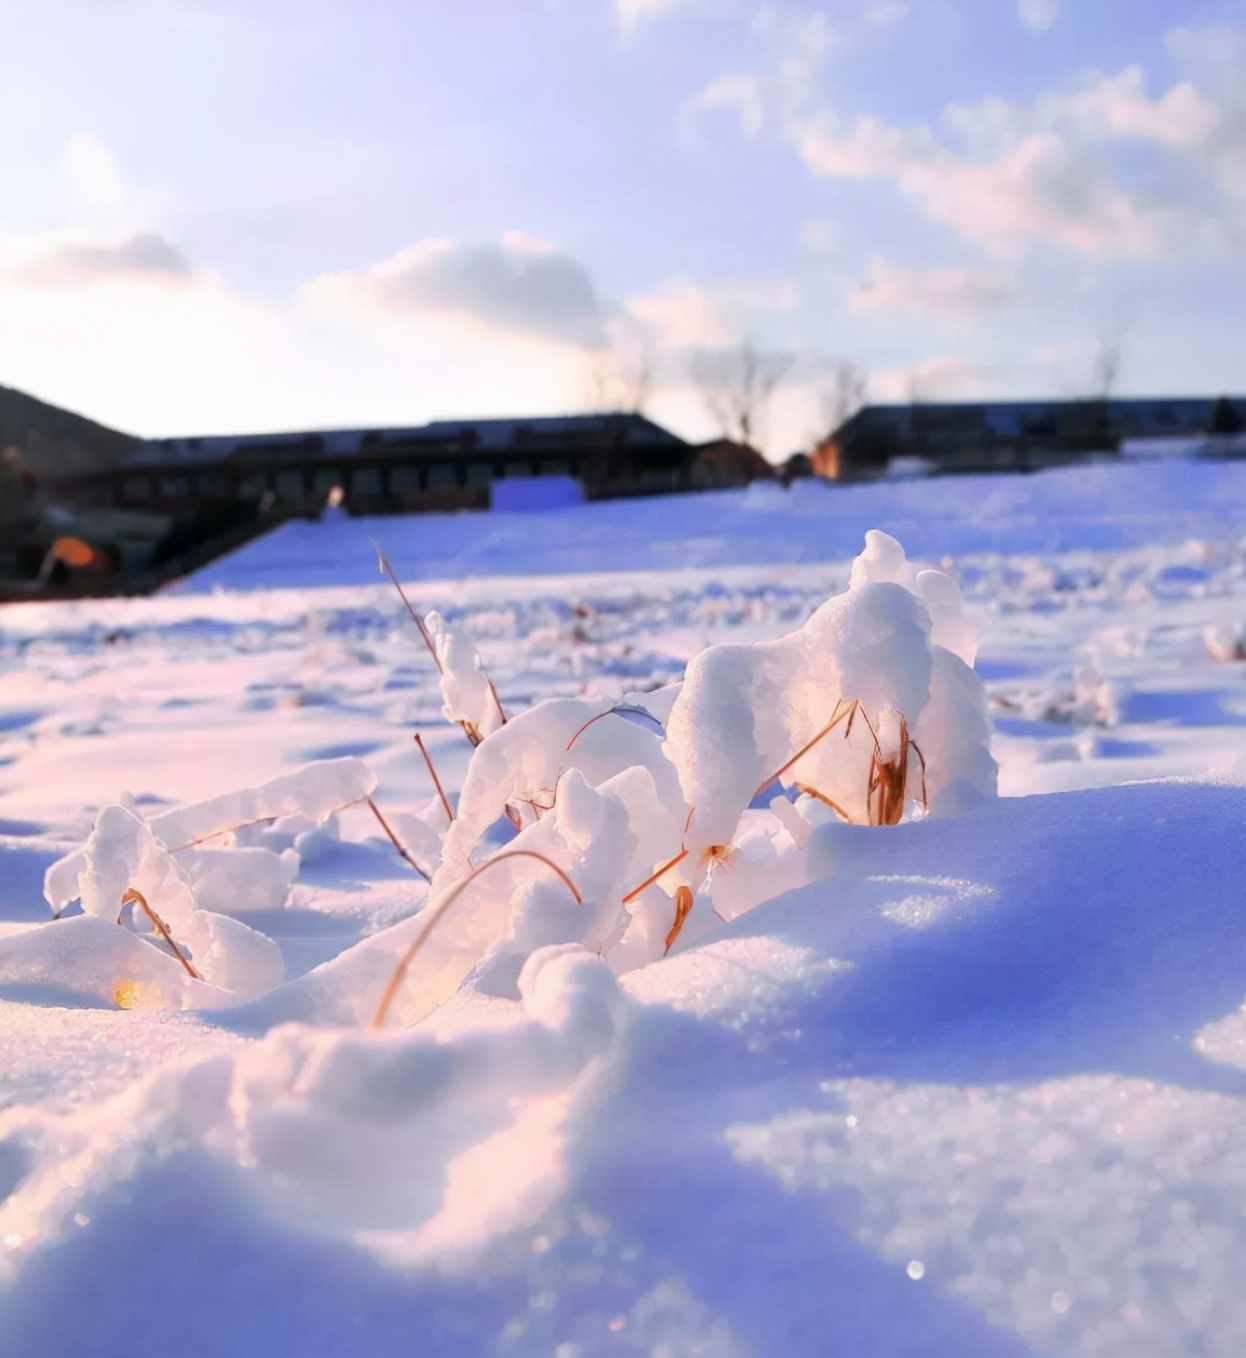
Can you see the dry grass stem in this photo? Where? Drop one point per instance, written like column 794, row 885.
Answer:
column 824, row 799
column 394, row 840
column 415, row 617
column 136, row 898
column 246, row 824
column 470, row 729
column 653, row 877
column 404, row 964
column 609, row 712
column 888, row 786
column 441, row 792
column 615, row 712
column 844, row 708
column 683, row 905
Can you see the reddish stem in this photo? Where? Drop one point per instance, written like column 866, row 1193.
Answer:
column 840, row 713
column 653, row 877
column 441, row 792
column 136, row 897
column 400, row 971
column 394, row 840
column 415, row 617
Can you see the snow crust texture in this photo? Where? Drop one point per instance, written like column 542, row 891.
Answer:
column 734, row 1011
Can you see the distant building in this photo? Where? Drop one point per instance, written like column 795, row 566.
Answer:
column 723, row 462
column 449, row 464
column 158, row 506
column 1008, row 435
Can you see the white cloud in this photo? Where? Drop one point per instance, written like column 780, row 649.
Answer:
column 73, row 262
column 1009, row 175
column 105, row 331
column 935, row 293
column 524, row 286
column 1038, row 15
column 92, row 171
column 1215, row 57
column 634, row 12
column 683, row 315
column 885, row 12
column 740, row 93
column 792, row 50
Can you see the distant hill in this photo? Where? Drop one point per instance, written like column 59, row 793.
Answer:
column 56, row 442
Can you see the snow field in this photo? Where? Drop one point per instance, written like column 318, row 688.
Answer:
column 969, row 1083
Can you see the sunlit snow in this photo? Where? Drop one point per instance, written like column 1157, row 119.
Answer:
column 968, row 1084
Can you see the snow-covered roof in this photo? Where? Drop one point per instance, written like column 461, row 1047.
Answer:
column 1016, row 419
column 489, row 434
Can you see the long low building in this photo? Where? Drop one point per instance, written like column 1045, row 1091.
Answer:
column 438, row 466
column 191, row 495
column 1011, row 435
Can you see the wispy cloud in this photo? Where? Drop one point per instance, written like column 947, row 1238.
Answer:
column 1007, row 175
column 145, row 256
column 1038, row 15
column 738, row 93
column 634, row 12
column 884, row 12
column 940, row 294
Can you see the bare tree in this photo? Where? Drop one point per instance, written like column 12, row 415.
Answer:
column 1106, row 373
column 845, row 394
column 736, row 386
column 1107, row 366
column 624, row 377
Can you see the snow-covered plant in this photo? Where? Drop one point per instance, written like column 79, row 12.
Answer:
column 470, row 699
column 842, row 709
column 867, row 712
column 183, row 896
column 621, row 830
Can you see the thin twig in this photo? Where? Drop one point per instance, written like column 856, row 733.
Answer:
column 136, row 897
column 607, row 713
column 496, row 699
column 415, row 617
column 840, row 713
column 258, row 820
column 400, row 971
column 394, row 840
column 441, row 792
column 825, row 800
column 653, row 877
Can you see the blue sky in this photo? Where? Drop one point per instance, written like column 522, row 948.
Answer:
column 218, row 215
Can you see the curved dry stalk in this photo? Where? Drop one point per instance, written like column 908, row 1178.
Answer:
column 683, row 906
column 136, row 897
column 824, row 799
column 404, row 964
column 844, row 708
column 653, row 877
column 441, row 792
column 609, row 712
column 615, row 712
column 394, row 840
column 258, row 820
